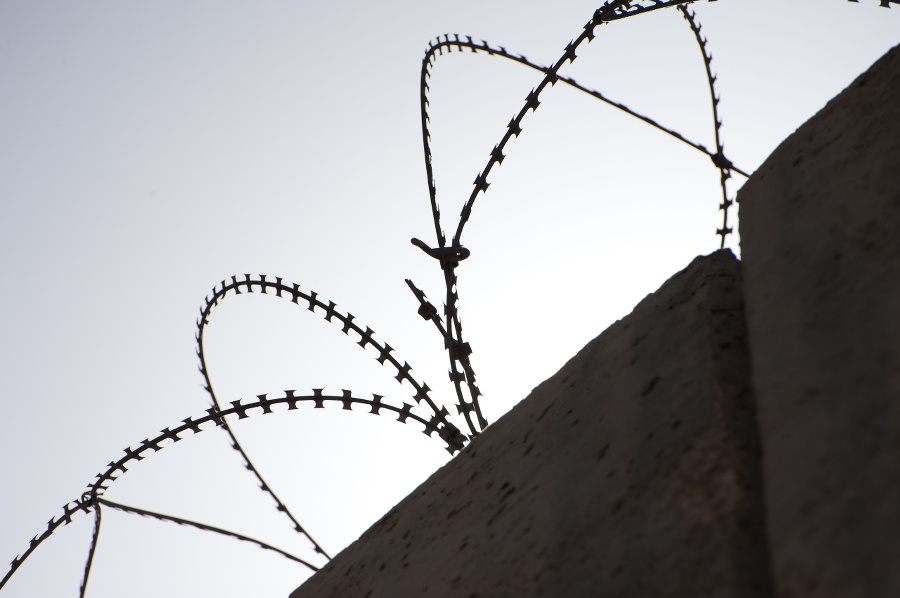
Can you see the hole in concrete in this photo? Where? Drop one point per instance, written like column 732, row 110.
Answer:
column 650, row 386
column 603, row 452
column 544, row 412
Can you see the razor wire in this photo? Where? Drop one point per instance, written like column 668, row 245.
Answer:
column 468, row 42
column 243, row 410
column 331, row 315
column 722, row 163
column 449, row 257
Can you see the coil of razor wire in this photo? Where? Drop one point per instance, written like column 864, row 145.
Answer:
column 313, row 301
column 449, row 257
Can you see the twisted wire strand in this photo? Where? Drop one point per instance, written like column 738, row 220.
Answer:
column 366, row 337
column 722, row 163
column 204, row 527
column 429, row 312
column 90, row 559
column 261, row 406
column 458, row 351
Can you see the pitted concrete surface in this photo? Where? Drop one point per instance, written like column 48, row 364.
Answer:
column 631, row 472
column 820, row 239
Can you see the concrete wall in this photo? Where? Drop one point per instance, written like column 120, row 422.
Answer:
column 820, row 241
column 684, row 452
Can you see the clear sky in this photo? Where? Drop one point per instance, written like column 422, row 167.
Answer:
column 149, row 150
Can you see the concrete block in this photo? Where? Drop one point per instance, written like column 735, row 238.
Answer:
column 820, row 239
column 633, row 471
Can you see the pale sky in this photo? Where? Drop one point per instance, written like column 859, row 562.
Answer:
column 149, row 150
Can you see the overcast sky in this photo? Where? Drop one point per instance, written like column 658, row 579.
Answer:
column 149, row 150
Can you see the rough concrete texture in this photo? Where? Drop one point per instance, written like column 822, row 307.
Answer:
column 631, row 472
column 820, row 239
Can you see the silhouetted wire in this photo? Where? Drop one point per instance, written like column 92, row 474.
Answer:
column 248, row 464
column 451, row 329
column 468, row 43
column 261, row 406
column 457, row 348
column 204, row 527
column 90, row 559
column 36, row 541
column 722, row 163
column 312, row 300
